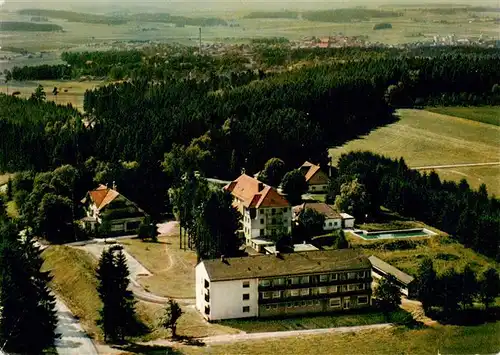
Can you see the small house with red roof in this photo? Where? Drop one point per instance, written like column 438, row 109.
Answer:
column 123, row 215
column 266, row 213
column 317, row 179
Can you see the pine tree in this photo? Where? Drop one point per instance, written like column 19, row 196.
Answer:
column 489, row 287
column 105, row 275
column 125, row 315
column 29, row 319
column 118, row 313
column 170, row 316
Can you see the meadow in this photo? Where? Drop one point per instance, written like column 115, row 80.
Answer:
column 70, row 92
column 485, row 114
column 425, row 138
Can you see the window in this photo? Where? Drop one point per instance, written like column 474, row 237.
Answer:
column 309, row 303
column 316, row 302
column 279, row 282
column 207, row 310
column 285, row 209
column 264, row 283
column 304, row 292
column 276, row 294
column 333, row 277
column 335, row 302
column 304, row 279
column 262, row 221
column 273, row 211
column 266, row 295
column 344, row 288
column 329, row 224
column 323, row 290
column 323, row 278
column 295, row 280
column 362, row 299
column 246, row 284
column 246, row 296
column 315, row 290
column 303, row 303
column 207, row 284
column 332, row 289
column 352, row 287
column 261, row 232
column 361, row 275
column 246, row 309
column 361, row 286
column 294, row 293
column 351, row 275
column 343, row 276
column 273, row 232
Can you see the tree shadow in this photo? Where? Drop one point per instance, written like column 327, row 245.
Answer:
column 147, row 349
column 191, row 341
column 470, row 317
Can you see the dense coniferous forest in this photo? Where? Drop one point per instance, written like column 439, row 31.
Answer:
column 470, row 216
column 29, row 26
column 41, row 72
column 347, row 15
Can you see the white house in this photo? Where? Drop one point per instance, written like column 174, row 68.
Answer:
column 333, row 219
column 347, row 220
column 123, row 215
column 317, row 180
column 283, row 284
column 405, row 282
column 266, row 213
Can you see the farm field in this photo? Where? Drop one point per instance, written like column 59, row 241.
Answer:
column 425, row 138
column 73, row 95
column 413, row 26
column 485, row 114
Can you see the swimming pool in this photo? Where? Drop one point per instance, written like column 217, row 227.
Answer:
column 394, row 234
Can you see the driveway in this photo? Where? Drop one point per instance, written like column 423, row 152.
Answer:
column 73, row 340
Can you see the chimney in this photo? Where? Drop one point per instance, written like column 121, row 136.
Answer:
column 114, row 185
column 261, row 186
column 242, row 171
column 222, row 258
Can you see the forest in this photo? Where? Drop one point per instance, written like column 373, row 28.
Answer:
column 348, row 15
column 470, row 216
column 28, row 26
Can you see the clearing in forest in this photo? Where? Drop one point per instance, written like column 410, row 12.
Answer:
column 425, row 138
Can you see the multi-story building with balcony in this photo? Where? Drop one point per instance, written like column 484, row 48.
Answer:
column 283, row 284
column 266, row 213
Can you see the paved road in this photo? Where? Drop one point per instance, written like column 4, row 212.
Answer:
column 454, row 166
column 73, row 340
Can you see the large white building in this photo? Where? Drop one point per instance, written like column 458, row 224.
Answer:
column 283, row 284
column 266, row 213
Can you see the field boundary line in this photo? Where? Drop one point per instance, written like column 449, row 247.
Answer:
column 454, row 166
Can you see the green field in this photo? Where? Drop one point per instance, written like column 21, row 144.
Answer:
column 485, row 114
column 425, row 138
column 70, row 92
column 481, row 339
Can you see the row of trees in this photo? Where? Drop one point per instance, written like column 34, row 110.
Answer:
column 40, row 72
column 456, row 289
column 469, row 215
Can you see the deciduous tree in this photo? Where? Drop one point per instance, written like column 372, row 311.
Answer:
column 353, row 199
column 273, row 172
column 171, row 315
column 294, row 185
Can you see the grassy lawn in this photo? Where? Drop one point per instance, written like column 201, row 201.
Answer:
column 419, row 134
column 485, row 114
column 359, row 317
column 406, row 254
column 481, row 339
column 75, row 282
column 172, row 268
column 70, row 92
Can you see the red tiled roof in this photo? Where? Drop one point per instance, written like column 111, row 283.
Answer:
column 102, row 196
column 313, row 169
column 254, row 193
column 328, row 211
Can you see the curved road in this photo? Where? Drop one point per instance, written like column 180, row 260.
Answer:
column 73, row 340
column 453, row 166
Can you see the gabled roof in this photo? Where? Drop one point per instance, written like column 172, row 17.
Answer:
column 328, row 211
column 254, row 193
column 310, row 170
column 391, row 270
column 102, row 196
column 309, row 262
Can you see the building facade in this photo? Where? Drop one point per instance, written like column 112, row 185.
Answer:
column 283, row 284
column 123, row 215
column 317, row 180
column 333, row 219
column 406, row 283
column 266, row 213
